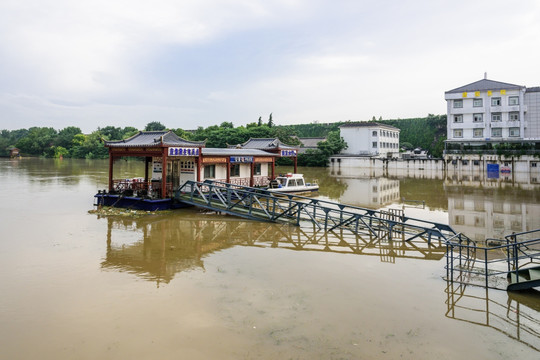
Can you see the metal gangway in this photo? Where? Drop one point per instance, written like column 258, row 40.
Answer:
column 262, row 205
column 516, row 257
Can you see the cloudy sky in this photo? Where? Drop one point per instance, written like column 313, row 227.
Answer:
column 189, row 63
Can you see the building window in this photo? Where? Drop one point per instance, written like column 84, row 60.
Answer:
column 513, row 100
column 496, row 132
column 374, row 133
column 514, row 131
column 257, row 169
column 478, row 118
column 210, row 172
column 514, row 116
column 458, row 118
column 458, row 133
column 533, row 164
column 476, row 162
column 496, row 101
column 458, row 104
column 374, row 144
column 496, row 117
column 478, row 133
column 235, row 170
column 477, row 103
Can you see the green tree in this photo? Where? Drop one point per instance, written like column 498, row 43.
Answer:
column 259, row 123
column 313, row 157
column 59, row 151
column 65, row 137
column 406, row 145
column 270, row 121
column 111, row 132
column 154, row 126
column 226, row 125
column 37, row 140
column 285, row 134
column 91, row 148
column 333, row 145
column 183, row 134
column 129, row 131
column 262, row 131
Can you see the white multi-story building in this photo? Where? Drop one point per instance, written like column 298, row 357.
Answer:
column 369, row 138
column 488, row 111
column 493, row 125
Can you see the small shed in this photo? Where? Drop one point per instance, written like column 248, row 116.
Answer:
column 271, row 145
column 14, row 152
column 309, row 143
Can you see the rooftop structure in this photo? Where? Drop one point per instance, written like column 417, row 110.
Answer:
column 309, row 143
column 272, row 145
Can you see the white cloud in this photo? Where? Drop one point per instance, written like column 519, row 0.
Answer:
column 74, row 62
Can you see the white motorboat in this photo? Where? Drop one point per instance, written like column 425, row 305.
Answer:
column 292, row 183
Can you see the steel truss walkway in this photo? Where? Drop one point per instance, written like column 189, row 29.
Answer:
column 258, row 204
column 517, row 257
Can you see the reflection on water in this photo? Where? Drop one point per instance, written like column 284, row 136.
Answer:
column 77, row 287
column 476, row 205
column 492, row 212
column 169, row 244
column 517, row 319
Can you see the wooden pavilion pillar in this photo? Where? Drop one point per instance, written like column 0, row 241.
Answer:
column 252, row 170
column 199, row 162
column 111, row 162
column 164, row 173
column 228, row 180
column 147, row 160
column 273, row 168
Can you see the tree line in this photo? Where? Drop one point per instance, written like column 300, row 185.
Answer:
column 428, row 133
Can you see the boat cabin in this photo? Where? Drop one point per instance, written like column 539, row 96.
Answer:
column 292, row 183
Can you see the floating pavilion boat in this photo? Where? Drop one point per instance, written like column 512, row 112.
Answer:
column 170, row 161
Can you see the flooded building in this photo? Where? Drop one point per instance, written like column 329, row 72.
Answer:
column 493, row 124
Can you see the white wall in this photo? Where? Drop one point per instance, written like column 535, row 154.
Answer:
column 468, row 111
column 360, row 140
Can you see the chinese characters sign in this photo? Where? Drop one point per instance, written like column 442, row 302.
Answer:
column 241, row 159
column 288, row 152
column 181, row 151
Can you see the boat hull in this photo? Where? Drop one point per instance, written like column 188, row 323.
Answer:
column 295, row 190
column 137, row 203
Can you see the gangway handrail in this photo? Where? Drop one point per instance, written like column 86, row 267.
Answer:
column 311, row 201
column 514, row 236
column 259, row 204
column 515, row 254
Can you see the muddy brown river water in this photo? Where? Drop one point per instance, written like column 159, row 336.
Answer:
column 193, row 285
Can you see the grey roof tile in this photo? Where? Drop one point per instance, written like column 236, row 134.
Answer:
column 484, row 85
column 235, row 152
column 154, row 138
column 264, row 144
column 311, row 141
column 368, row 124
